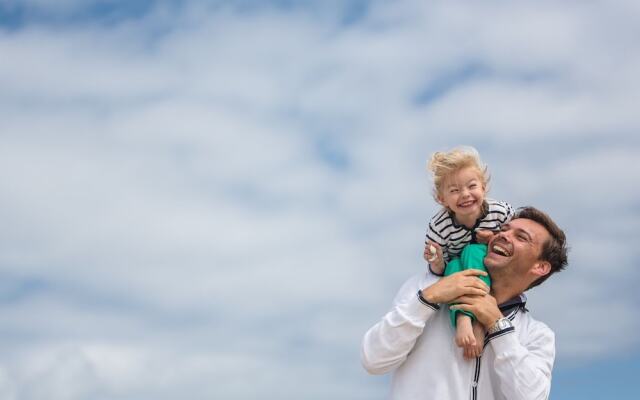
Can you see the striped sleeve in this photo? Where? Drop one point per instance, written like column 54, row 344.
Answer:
column 437, row 231
column 510, row 212
column 499, row 212
column 506, row 210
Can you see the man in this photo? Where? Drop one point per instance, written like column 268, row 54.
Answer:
column 415, row 339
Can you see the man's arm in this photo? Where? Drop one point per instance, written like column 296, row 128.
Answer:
column 387, row 344
column 524, row 369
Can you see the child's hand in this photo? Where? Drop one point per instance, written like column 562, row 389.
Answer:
column 433, row 255
column 484, row 235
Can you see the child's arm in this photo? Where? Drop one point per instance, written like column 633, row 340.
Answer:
column 484, row 235
column 433, row 255
column 435, row 240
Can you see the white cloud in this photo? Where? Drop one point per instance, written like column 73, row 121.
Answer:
column 209, row 194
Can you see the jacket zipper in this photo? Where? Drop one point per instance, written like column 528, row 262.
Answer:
column 476, row 377
column 476, row 374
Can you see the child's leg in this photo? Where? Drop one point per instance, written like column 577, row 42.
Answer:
column 479, row 334
column 472, row 256
column 464, row 331
column 453, row 266
column 464, row 336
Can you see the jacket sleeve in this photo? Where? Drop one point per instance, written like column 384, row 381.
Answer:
column 524, row 370
column 386, row 345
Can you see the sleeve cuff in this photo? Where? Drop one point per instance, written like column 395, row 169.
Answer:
column 425, row 302
column 501, row 339
column 433, row 272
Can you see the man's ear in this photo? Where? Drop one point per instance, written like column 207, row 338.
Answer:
column 541, row 268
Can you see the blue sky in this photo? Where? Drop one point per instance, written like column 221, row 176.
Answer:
column 217, row 199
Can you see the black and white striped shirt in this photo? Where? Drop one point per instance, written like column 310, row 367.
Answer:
column 452, row 237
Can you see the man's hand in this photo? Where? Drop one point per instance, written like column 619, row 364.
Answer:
column 450, row 287
column 485, row 308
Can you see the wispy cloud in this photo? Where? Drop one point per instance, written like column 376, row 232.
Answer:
column 219, row 199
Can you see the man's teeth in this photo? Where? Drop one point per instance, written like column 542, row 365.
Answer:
column 500, row 250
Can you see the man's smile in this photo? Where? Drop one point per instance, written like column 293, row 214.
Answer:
column 501, row 248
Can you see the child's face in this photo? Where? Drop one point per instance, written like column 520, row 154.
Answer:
column 463, row 193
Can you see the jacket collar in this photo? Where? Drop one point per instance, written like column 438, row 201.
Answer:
column 516, row 302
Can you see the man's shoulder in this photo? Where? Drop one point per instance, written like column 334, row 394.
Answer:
column 535, row 326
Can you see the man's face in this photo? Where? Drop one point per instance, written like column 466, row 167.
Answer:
column 517, row 247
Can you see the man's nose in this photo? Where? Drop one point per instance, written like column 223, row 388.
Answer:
column 501, row 235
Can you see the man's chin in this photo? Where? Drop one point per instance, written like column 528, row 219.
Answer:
column 493, row 260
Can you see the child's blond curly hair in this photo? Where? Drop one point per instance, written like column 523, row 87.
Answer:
column 442, row 164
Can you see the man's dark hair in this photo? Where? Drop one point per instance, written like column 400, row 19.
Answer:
column 555, row 249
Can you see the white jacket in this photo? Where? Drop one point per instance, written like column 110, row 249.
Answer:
column 416, row 341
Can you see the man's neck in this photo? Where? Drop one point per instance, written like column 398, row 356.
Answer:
column 504, row 291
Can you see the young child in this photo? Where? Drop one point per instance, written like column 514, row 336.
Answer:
column 460, row 184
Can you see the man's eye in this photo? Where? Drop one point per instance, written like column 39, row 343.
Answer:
column 473, row 186
column 453, row 191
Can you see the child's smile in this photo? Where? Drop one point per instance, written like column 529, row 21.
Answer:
column 463, row 193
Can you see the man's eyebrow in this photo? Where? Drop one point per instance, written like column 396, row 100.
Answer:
column 524, row 232
column 507, row 226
